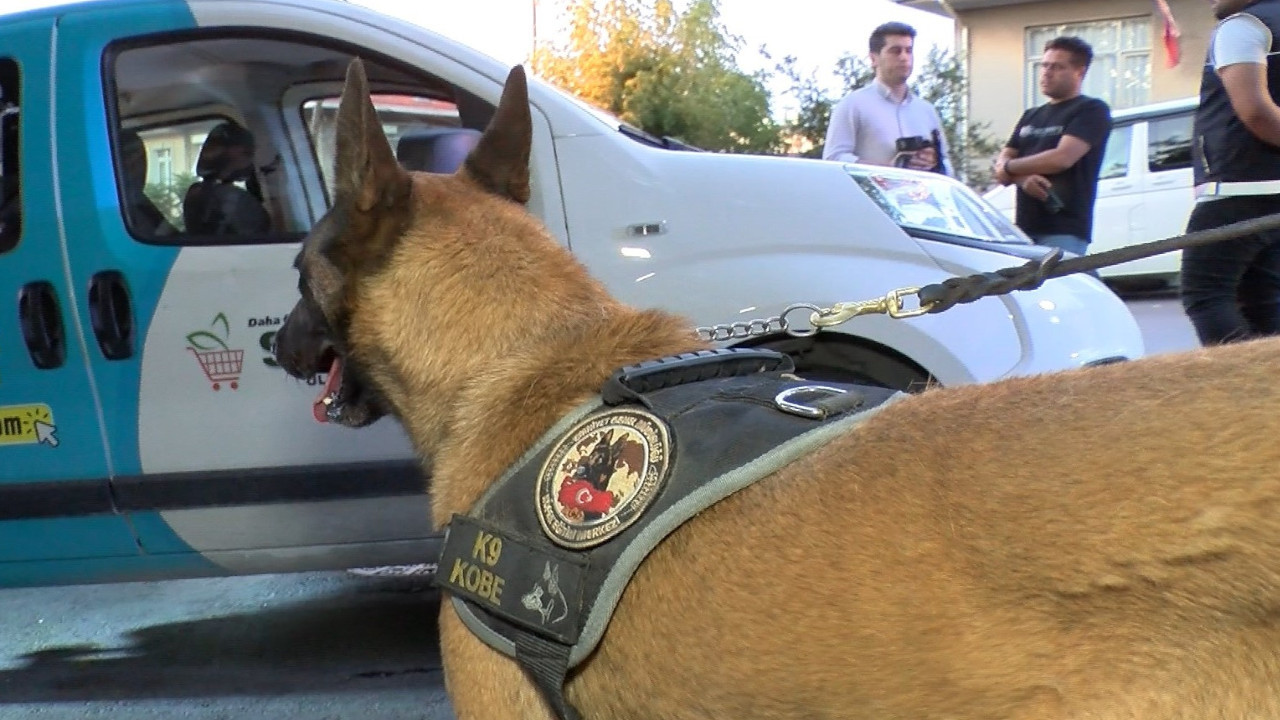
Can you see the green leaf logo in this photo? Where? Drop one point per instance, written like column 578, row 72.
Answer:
column 200, row 339
column 195, row 340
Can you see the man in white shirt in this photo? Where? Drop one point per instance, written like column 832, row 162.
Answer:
column 884, row 123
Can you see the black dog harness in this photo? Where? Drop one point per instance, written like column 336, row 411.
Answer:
column 537, row 567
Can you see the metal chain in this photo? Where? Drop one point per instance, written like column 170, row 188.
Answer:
column 756, row 328
column 818, row 317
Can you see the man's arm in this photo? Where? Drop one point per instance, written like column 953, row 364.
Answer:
column 1240, row 47
column 1246, row 85
column 1052, row 161
column 1001, row 163
column 842, row 133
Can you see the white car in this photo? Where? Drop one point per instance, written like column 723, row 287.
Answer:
column 1144, row 189
column 145, row 428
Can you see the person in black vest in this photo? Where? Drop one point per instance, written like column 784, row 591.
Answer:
column 1231, row 290
column 1055, row 151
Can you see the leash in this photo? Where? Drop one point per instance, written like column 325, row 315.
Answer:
column 938, row 297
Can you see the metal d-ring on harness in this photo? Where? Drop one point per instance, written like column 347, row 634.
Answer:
column 954, row 291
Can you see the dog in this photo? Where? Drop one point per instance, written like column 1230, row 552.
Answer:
column 1098, row 543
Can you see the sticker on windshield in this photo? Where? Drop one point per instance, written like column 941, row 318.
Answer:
column 220, row 362
column 27, row 425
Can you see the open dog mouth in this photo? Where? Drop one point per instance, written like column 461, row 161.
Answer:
column 328, row 406
column 343, row 399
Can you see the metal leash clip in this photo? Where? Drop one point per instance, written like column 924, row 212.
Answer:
column 890, row 304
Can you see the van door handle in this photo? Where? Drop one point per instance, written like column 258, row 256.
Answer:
column 40, row 316
column 111, row 312
column 1122, row 186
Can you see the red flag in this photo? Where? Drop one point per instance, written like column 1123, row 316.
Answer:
column 1172, row 35
column 1172, row 47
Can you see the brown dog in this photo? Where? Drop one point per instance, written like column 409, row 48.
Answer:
column 1102, row 543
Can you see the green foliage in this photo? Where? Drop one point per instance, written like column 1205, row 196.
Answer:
column 809, row 125
column 168, row 196
column 675, row 73
column 670, row 73
column 943, row 83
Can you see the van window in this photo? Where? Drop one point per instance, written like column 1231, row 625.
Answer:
column 157, row 165
column 10, row 197
column 426, row 133
column 1115, row 159
column 198, row 148
column 1169, row 143
column 212, row 128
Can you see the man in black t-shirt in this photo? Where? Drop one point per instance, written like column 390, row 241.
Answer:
column 1055, row 151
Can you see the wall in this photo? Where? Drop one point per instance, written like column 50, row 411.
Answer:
column 995, row 47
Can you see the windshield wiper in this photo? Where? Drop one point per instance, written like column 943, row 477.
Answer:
column 664, row 142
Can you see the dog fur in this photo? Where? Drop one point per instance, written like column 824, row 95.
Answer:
column 1101, row 543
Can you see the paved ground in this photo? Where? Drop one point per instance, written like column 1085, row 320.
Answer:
column 1165, row 327
column 318, row 646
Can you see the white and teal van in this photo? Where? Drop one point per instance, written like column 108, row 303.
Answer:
column 160, row 161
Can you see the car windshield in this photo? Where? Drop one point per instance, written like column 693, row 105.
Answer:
column 932, row 203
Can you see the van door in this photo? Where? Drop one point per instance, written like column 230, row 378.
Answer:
column 1167, row 188
column 1118, row 210
column 196, row 223
column 54, row 468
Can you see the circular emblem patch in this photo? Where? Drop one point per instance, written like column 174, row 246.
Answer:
column 601, row 477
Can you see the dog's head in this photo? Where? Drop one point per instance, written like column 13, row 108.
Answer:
column 396, row 278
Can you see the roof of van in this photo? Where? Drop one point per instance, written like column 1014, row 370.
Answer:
column 1156, row 109
column 55, row 8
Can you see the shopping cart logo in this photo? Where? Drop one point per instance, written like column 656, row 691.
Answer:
column 220, row 363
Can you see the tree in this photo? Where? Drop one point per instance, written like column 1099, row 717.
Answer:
column 667, row 72
column 167, row 197
column 815, row 103
column 941, row 81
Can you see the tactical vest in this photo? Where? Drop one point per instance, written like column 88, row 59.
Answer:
column 1225, row 150
column 537, row 567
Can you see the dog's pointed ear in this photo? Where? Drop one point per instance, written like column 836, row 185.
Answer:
column 500, row 161
column 366, row 170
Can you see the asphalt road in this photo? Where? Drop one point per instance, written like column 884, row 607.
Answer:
column 319, row 646
column 316, row 646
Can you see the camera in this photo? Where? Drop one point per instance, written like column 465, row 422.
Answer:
column 904, row 147
column 912, row 144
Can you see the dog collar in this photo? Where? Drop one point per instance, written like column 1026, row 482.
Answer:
column 537, row 567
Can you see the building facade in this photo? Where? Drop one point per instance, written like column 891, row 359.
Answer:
column 1140, row 57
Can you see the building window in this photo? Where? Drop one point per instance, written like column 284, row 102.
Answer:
column 1121, row 70
column 164, row 165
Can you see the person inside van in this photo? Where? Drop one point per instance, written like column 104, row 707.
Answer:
column 1231, row 289
column 144, row 218
column 1055, row 151
column 227, row 200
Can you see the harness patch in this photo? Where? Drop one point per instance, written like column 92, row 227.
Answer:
column 538, row 566
column 602, row 476
column 539, row 588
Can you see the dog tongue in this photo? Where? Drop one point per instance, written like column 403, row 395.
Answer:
column 331, row 384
